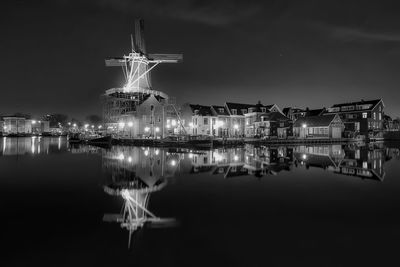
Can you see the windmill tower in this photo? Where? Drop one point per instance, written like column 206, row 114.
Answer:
column 122, row 103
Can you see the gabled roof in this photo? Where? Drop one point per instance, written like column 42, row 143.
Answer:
column 216, row 110
column 274, row 116
column 315, row 121
column 202, row 110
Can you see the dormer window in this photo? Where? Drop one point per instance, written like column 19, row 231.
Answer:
column 263, row 110
column 234, row 112
column 251, row 110
column 244, row 111
column 221, row 110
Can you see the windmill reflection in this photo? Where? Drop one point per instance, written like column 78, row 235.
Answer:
column 134, row 174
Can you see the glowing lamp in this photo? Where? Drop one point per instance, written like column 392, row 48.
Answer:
column 146, row 129
column 121, row 124
column 304, row 125
column 130, row 124
column 236, row 126
column 157, row 129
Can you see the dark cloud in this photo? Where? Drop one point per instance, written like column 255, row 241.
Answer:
column 214, row 13
column 348, row 34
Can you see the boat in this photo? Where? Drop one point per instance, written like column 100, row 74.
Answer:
column 100, row 141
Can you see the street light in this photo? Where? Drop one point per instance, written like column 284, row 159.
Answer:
column 130, row 124
column 304, row 125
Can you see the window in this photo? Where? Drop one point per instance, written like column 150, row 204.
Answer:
column 234, row 112
column 374, row 115
column 347, row 108
column 221, row 110
column 205, row 122
column 364, row 115
column 281, row 124
column 263, row 110
column 244, row 111
column 380, row 116
column 310, row 130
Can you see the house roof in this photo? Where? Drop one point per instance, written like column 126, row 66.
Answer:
column 315, row 112
column 373, row 103
column 315, row 121
column 274, row 116
column 202, row 110
column 217, row 111
column 240, row 106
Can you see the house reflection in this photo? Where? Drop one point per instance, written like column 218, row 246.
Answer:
column 133, row 174
column 257, row 161
column 364, row 162
column 361, row 161
column 14, row 146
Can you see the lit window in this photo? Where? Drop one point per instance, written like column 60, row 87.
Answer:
column 364, row 115
column 374, row 116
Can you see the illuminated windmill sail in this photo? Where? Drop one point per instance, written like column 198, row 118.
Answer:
column 137, row 65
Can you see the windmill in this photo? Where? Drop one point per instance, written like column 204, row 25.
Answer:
column 138, row 64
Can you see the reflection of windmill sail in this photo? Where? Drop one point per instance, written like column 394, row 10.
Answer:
column 134, row 174
column 135, row 214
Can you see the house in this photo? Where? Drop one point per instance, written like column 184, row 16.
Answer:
column 246, row 115
column 326, row 126
column 224, row 127
column 274, row 124
column 203, row 120
column 363, row 117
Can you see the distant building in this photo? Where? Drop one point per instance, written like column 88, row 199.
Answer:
column 327, row 126
column 363, row 117
column 16, row 125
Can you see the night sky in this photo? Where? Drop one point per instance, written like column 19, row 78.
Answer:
column 292, row 53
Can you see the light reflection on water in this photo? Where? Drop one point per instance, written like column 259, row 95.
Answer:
column 135, row 176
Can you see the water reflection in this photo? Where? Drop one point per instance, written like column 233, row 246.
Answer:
column 153, row 165
column 11, row 146
column 133, row 174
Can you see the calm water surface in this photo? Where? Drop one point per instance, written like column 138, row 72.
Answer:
column 67, row 205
